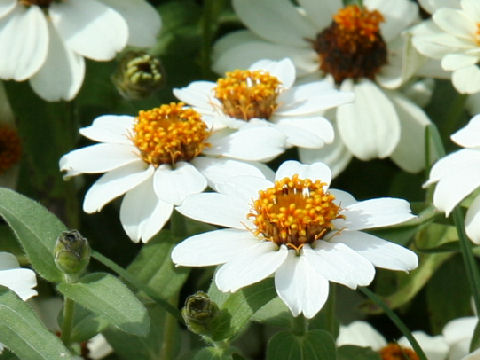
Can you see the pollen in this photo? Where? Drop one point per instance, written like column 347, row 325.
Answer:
column 248, row 94
column 170, row 133
column 397, row 352
column 10, row 148
column 352, row 46
column 294, row 212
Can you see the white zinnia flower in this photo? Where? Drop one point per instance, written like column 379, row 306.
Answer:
column 20, row 280
column 296, row 229
column 454, row 38
column 265, row 93
column 457, row 176
column 362, row 49
column 154, row 160
column 458, row 334
column 361, row 333
column 46, row 40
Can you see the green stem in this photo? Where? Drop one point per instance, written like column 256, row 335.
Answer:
column 396, row 320
column 68, row 305
column 467, row 253
column 169, row 333
column 299, row 325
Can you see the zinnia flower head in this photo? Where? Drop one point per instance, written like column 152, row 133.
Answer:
column 46, row 40
column 296, row 228
column 159, row 158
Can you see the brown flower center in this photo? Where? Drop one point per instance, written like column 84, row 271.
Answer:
column 294, row 212
column 170, row 133
column 246, row 94
column 40, row 3
column 10, row 148
column 397, row 352
column 352, row 46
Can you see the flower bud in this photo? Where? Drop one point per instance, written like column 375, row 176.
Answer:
column 198, row 313
column 72, row 252
column 138, row 75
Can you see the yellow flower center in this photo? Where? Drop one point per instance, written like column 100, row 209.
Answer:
column 397, row 352
column 170, row 133
column 246, row 94
column 40, row 3
column 294, row 212
column 352, row 46
column 10, row 148
column 477, row 34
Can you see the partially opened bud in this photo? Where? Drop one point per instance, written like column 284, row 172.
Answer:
column 72, row 252
column 198, row 313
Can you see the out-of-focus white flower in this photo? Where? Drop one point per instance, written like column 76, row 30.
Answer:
column 362, row 49
column 20, row 280
column 458, row 334
column 98, row 347
column 457, row 176
column 159, row 158
column 46, row 40
column 296, row 228
column 266, row 93
column 361, row 333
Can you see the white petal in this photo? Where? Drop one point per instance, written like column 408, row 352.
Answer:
column 244, row 188
column 453, row 62
column 252, row 143
column 317, row 171
column 142, row 19
column 469, row 135
column 360, row 333
column 306, row 132
column 342, row 198
column 110, row 128
column 455, row 22
column 321, row 12
column 472, row 221
column 379, row 252
column 142, row 213
column 199, row 94
column 300, row 287
column 213, row 247
column 461, row 160
column 23, row 43
column 283, row 70
column 410, row 151
column 61, row 76
column 459, row 329
column 289, row 27
column 467, row 79
column 217, row 209
column 115, row 183
column 431, row 5
column 89, row 28
column 375, row 213
column 98, row 158
column 370, row 126
column 20, row 280
column 473, row 356
column 174, row 185
column 251, row 265
column 435, row 347
column 338, row 263
column 6, row 6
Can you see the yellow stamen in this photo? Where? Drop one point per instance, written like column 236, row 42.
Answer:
column 170, row 133
column 10, row 148
column 294, row 212
column 397, row 352
column 248, row 94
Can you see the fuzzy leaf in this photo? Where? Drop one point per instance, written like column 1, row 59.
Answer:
column 313, row 345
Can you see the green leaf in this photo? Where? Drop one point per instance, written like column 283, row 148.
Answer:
column 349, row 352
column 153, row 266
column 36, row 229
column 105, row 295
column 86, row 324
column 212, row 353
column 238, row 308
column 23, row 333
column 313, row 345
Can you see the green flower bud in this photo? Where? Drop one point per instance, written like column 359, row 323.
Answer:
column 138, row 75
column 199, row 312
column 72, row 252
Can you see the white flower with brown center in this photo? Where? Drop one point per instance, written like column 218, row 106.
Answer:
column 46, row 40
column 296, row 228
column 362, row 49
column 159, row 158
column 265, row 93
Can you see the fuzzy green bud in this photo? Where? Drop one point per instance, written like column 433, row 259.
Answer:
column 199, row 312
column 72, row 252
column 138, row 75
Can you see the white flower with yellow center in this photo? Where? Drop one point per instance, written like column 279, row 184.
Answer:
column 457, row 176
column 46, row 40
column 453, row 37
column 361, row 333
column 295, row 228
column 361, row 49
column 265, row 93
column 159, row 158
